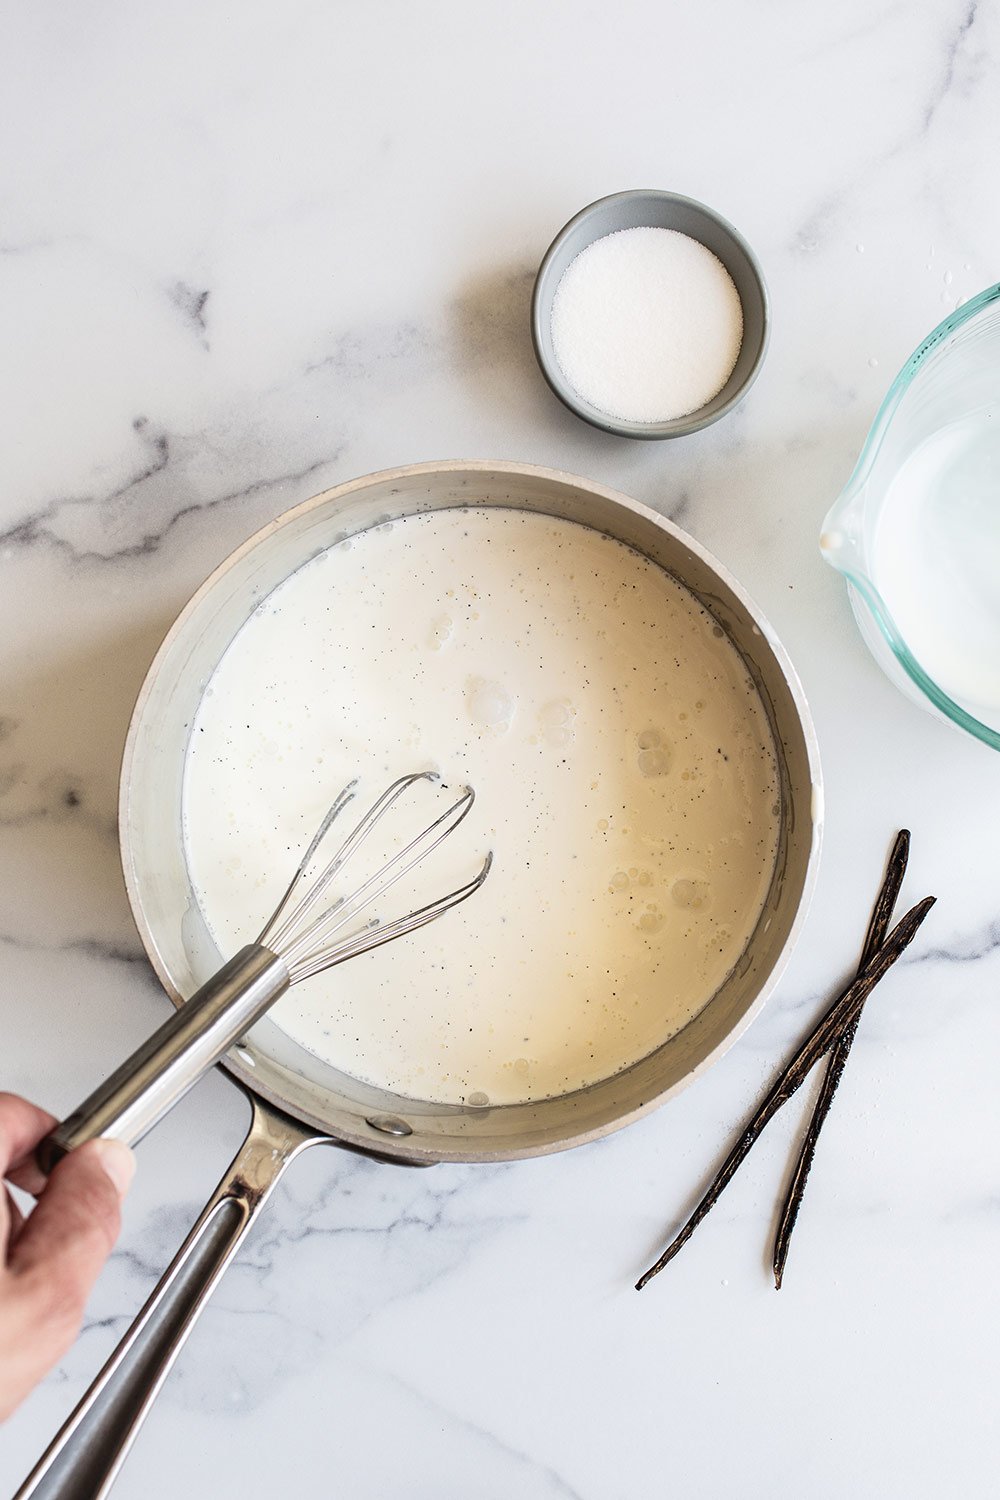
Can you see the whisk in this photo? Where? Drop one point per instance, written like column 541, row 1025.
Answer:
column 311, row 929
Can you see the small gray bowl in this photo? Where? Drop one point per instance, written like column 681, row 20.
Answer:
column 650, row 209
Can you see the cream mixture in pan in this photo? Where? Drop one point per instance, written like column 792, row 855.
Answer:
column 625, row 775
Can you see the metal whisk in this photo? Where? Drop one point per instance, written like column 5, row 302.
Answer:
column 310, row 930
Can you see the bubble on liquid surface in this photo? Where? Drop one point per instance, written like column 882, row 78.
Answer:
column 478, row 1100
column 440, row 632
column 623, row 881
column 489, row 704
column 556, row 720
column 654, row 761
column 557, row 713
column 716, row 939
column 650, row 919
column 655, row 755
column 691, row 895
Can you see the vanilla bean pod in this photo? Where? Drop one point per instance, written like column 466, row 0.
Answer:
column 875, row 936
column 846, row 1008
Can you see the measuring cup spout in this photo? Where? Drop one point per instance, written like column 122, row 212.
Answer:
column 842, row 537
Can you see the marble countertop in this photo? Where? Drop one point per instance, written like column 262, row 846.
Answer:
column 247, row 254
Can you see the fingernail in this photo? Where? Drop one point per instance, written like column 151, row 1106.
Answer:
column 118, row 1162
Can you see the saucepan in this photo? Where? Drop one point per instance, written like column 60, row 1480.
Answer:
column 299, row 1100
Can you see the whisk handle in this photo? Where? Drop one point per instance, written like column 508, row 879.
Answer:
column 150, row 1082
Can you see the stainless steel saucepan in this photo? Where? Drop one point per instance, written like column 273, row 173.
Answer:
column 299, row 1101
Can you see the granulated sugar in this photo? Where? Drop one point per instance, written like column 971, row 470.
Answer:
column 647, row 324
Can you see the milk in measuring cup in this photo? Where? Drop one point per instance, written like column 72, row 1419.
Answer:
column 936, row 560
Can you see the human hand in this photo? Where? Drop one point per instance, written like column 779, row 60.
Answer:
column 50, row 1260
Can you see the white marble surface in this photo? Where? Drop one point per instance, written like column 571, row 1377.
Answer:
column 247, row 252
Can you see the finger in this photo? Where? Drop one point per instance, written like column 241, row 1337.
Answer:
column 29, row 1176
column 22, row 1126
column 15, row 1218
column 66, row 1240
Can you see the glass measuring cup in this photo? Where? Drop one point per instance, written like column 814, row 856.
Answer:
column 916, row 531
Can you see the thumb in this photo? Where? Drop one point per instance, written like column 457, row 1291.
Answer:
column 70, row 1233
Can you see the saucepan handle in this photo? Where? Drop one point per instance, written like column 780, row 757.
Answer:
column 84, row 1458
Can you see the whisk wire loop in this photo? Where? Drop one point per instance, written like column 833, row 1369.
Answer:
column 374, row 888
column 375, row 936
column 268, row 932
column 286, row 932
column 353, row 843
column 306, row 945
